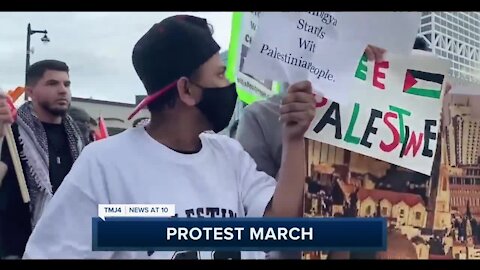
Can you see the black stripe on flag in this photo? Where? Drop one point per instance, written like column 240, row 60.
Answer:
column 427, row 76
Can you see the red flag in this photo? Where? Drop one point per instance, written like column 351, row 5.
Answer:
column 101, row 132
column 16, row 93
column 12, row 96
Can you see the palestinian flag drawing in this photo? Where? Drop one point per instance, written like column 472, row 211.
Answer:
column 423, row 83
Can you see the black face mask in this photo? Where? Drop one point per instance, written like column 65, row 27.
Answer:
column 217, row 105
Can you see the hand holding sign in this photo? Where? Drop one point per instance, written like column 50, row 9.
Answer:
column 374, row 54
column 297, row 110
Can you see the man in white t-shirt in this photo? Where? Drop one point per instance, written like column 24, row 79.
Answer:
column 173, row 159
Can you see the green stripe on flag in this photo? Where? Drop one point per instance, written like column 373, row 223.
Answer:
column 425, row 92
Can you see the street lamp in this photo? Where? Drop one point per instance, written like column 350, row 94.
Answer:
column 44, row 39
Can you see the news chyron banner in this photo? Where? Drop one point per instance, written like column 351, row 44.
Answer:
column 249, row 89
column 152, row 228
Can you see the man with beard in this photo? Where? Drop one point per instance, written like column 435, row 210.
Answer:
column 48, row 142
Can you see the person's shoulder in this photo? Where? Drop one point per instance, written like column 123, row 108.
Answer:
column 113, row 145
column 266, row 104
column 223, row 142
column 264, row 110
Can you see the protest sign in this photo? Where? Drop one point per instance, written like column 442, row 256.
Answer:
column 433, row 212
column 323, row 47
column 395, row 117
column 250, row 89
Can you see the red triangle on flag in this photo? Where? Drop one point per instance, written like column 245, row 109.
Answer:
column 410, row 81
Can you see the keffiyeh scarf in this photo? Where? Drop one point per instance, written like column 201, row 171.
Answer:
column 34, row 153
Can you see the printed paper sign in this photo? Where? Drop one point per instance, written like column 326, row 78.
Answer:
column 250, row 89
column 395, row 117
column 323, row 47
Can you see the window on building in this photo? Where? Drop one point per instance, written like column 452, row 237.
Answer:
column 402, row 213
column 368, row 210
column 454, row 14
column 418, row 215
column 427, row 28
column 384, row 211
column 426, row 20
column 429, row 37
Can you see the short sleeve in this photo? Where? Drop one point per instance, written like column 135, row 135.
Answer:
column 65, row 229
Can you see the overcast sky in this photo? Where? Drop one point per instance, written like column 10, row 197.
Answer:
column 96, row 45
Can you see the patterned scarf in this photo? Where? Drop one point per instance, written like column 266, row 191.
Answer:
column 33, row 139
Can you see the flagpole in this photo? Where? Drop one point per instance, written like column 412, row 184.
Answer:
column 17, row 164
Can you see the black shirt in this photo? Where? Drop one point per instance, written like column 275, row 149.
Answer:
column 60, row 157
column 15, row 219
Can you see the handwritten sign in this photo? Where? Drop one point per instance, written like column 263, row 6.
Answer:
column 323, row 47
column 396, row 114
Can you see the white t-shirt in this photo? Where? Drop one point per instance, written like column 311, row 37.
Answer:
column 133, row 168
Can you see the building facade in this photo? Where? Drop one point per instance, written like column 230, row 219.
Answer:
column 463, row 135
column 115, row 114
column 455, row 36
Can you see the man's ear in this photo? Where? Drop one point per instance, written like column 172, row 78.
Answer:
column 184, row 92
column 28, row 91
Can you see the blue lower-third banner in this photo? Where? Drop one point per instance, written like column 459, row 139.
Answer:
column 143, row 234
